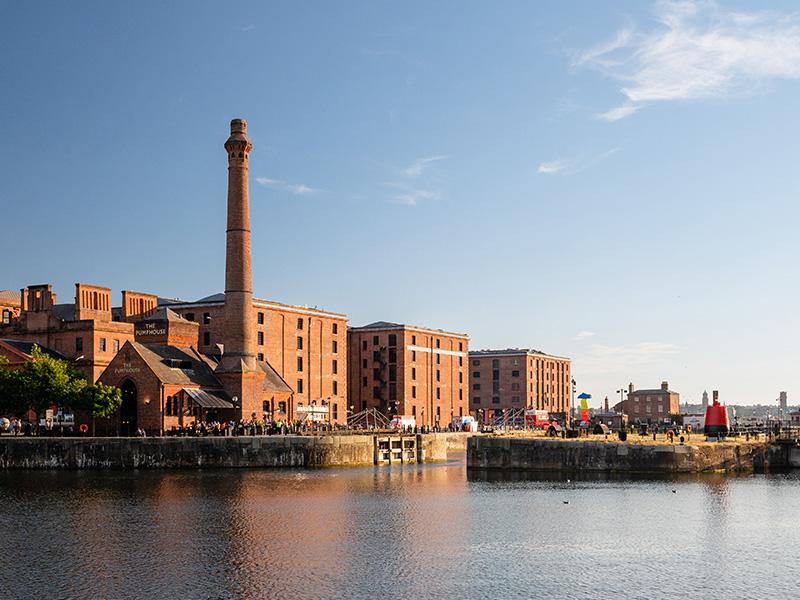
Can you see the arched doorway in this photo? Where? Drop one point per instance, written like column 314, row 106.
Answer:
column 127, row 411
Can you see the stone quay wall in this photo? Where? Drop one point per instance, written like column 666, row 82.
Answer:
column 541, row 454
column 204, row 452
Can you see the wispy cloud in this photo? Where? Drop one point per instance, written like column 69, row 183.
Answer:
column 582, row 335
column 248, row 28
column 298, row 189
column 575, row 164
column 697, row 50
column 416, row 168
column 602, row 359
column 407, row 195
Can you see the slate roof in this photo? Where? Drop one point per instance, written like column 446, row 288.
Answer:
column 65, row 312
column 273, row 382
column 27, row 348
column 197, row 371
column 390, row 325
column 164, row 313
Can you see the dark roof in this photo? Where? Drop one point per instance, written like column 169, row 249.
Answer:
column 508, row 351
column 213, row 298
column 390, row 325
column 65, row 312
column 27, row 348
column 654, row 391
column 196, row 369
column 273, row 382
column 164, row 313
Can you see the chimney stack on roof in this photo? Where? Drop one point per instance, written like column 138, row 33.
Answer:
column 664, row 386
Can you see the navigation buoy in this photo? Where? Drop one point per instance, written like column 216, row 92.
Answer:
column 717, row 423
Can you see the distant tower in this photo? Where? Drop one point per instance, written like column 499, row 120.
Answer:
column 705, row 399
column 238, row 369
column 782, row 398
column 606, row 405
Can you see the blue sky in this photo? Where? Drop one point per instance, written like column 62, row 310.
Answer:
column 616, row 183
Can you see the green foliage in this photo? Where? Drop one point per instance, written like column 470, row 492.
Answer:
column 45, row 381
column 100, row 400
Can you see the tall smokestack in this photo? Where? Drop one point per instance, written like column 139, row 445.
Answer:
column 238, row 336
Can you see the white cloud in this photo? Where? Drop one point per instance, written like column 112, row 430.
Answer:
column 570, row 166
column 582, row 335
column 248, row 28
column 298, row 189
column 550, row 168
column 411, row 196
column 416, row 168
column 697, row 51
column 603, row 360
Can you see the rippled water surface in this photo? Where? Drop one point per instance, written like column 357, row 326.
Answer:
column 394, row 532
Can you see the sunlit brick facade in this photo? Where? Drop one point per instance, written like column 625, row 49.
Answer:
column 407, row 370
column 518, row 378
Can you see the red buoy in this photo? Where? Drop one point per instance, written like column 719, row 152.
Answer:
column 717, row 423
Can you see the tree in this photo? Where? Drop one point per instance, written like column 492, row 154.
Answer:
column 48, row 381
column 100, row 400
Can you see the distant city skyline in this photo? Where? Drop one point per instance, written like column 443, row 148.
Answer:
column 616, row 183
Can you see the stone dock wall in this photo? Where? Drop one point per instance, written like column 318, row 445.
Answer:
column 208, row 452
column 538, row 454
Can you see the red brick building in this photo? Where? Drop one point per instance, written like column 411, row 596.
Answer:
column 407, row 370
column 9, row 306
column 650, row 405
column 306, row 347
column 87, row 331
column 518, row 378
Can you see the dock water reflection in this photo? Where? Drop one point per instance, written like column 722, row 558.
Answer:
column 405, row 531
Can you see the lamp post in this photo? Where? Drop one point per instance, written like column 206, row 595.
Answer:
column 621, row 392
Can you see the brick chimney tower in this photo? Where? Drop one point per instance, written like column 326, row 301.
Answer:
column 237, row 369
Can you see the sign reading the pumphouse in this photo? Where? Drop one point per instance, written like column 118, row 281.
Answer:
column 151, row 329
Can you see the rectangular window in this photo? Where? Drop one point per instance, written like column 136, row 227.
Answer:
column 299, row 386
column 476, row 399
column 438, row 375
column 460, row 361
column 392, row 339
column 265, row 406
column 460, row 394
column 364, row 345
column 78, row 344
column 102, row 344
column 190, row 316
column 515, row 399
column 334, row 367
column 413, row 340
column 364, row 382
column 261, row 318
column 515, row 387
column 282, row 407
column 438, row 359
column 335, row 410
column 116, row 345
column 438, row 394
column 413, row 356
column 299, row 363
column 495, row 375
column 515, row 373
column 495, row 386
column 460, row 378
column 300, row 323
column 413, row 373
column 476, row 363
column 260, row 338
column 206, row 318
column 460, row 346
column 495, row 364
column 206, row 338
column 335, row 347
column 261, row 356
column 414, row 411
column 438, row 343
column 335, row 388
column 392, row 391
column 413, row 391
column 392, row 355
column 335, row 328
column 476, row 386
column 392, row 372
column 299, row 342
column 476, row 374
column 363, row 363
column 374, row 340
column 495, row 399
